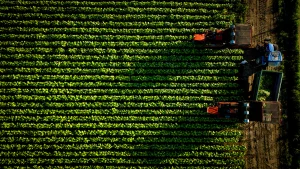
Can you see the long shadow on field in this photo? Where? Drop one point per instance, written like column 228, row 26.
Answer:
column 177, row 131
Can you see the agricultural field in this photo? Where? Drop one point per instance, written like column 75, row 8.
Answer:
column 116, row 83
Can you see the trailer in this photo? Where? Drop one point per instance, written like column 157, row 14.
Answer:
column 266, row 85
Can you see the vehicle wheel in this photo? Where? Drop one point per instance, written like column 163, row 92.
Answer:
column 258, row 60
column 246, row 105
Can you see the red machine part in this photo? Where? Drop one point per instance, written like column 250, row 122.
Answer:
column 219, row 35
column 199, row 37
column 214, row 110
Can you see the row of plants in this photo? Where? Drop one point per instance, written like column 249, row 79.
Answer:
column 95, row 44
column 129, row 147
column 112, row 112
column 87, row 154
column 106, row 31
column 108, row 118
column 101, row 105
column 117, row 10
column 223, row 4
column 116, row 17
column 118, row 140
column 120, row 78
column 205, row 57
column 119, row 65
column 124, row 97
column 124, row 51
column 117, row 160
column 127, row 92
column 111, row 71
column 88, row 37
column 115, row 125
column 121, row 85
column 121, row 133
column 110, row 24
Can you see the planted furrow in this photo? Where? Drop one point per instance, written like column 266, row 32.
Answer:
column 128, row 65
column 111, row 71
column 115, row 17
column 220, row 4
column 111, row 111
column 109, row 24
column 204, row 57
column 119, row 85
column 129, row 147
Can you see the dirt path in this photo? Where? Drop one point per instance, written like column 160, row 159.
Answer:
column 263, row 147
column 260, row 15
column 261, row 139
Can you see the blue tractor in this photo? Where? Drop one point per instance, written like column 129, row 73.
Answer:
column 269, row 55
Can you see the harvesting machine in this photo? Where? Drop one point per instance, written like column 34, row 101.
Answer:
column 236, row 36
column 262, row 111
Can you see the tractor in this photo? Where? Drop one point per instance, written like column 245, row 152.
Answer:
column 236, row 36
column 269, row 54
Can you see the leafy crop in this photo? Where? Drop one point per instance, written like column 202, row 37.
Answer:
column 87, row 84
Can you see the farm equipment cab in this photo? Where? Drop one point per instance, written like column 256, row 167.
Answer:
column 237, row 36
column 262, row 111
column 269, row 55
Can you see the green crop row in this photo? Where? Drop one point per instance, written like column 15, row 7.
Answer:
column 116, row 146
column 116, row 17
column 153, row 78
column 134, row 154
column 107, row 118
column 95, row 44
column 85, row 37
column 112, row 71
column 124, row 58
column 121, row 133
column 119, row 98
column 223, row 4
column 112, row 24
column 118, row 160
column 108, row 51
column 101, row 11
column 113, row 111
column 128, row 85
column 116, row 125
column 128, row 65
column 99, row 105
column 135, row 140
column 103, row 31
column 127, row 92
